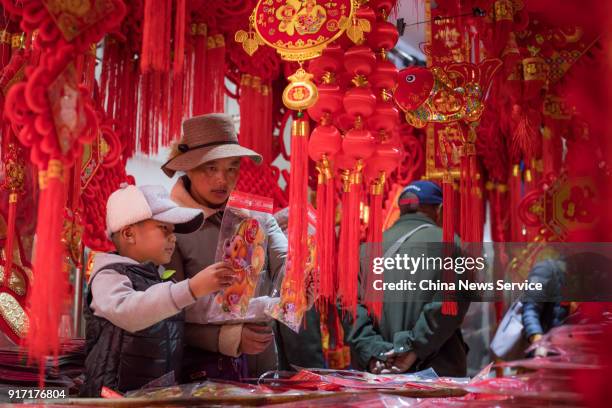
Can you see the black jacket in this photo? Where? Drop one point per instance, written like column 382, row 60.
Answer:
column 125, row 361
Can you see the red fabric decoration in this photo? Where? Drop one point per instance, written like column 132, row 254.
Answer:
column 156, row 32
column 297, row 235
column 256, row 128
column 52, row 114
column 325, row 142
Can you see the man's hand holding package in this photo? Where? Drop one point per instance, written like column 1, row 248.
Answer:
column 211, row 279
column 376, row 366
column 398, row 363
column 255, row 338
column 394, row 363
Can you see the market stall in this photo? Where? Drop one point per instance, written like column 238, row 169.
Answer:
column 504, row 104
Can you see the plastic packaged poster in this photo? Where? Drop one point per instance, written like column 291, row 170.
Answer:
column 292, row 306
column 242, row 244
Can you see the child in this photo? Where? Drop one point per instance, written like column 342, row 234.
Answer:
column 134, row 319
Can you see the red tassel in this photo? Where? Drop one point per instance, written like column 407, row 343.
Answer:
column 325, row 233
column 322, row 245
column 349, row 275
column 197, row 68
column 50, row 280
column 477, row 204
column 375, row 235
column 155, row 55
column 515, row 185
column 449, row 307
column 465, row 187
column 247, row 120
column 266, row 118
column 343, row 245
column 179, row 36
column 178, row 74
column 552, row 145
column 10, row 238
column 448, row 219
column 12, row 161
column 298, row 196
column 330, row 239
column 215, row 74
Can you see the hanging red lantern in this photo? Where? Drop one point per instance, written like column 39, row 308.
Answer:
column 344, row 162
column 386, row 158
column 359, row 143
column 330, row 61
column 384, row 36
column 383, row 7
column 325, row 141
column 384, row 75
column 359, row 102
column 366, row 13
column 359, row 60
column 385, row 118
column 329, row 102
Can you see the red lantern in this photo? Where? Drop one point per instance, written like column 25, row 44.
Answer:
column 343, row 161
column 329, row 61
column 329, row 102
column 344, row 122
column 383, row 36
column 359, row 60
column 385, row 159
column 324, row 140
column 359, row 102
column 359, row 143
column 366, row 13
column 385, row 118
column 384, row 75
column 382, row 7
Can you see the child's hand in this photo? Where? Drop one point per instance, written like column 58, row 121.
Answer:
column 211, row 279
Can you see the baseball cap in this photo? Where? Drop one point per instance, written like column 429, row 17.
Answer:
column 130, row 204
column 426, row 192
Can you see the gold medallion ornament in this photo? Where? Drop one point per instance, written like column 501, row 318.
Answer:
column 298, row 30
column 301, row 29
column 301, row 92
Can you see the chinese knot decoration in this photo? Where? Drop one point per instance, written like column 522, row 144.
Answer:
column 52, row 114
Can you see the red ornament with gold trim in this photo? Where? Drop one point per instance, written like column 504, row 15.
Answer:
column 300, row 30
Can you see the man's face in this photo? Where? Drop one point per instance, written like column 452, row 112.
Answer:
column 212, row 182
column 154, row 241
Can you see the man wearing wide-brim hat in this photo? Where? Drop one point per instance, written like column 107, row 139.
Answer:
column 209, row 154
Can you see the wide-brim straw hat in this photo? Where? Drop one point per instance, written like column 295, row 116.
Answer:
column 206, row 138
